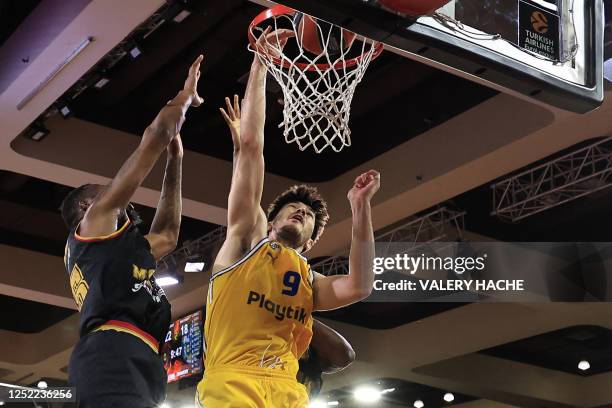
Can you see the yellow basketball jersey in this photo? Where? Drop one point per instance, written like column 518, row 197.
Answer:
column 259, row 310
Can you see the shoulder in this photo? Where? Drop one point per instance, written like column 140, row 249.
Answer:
column 235, row 250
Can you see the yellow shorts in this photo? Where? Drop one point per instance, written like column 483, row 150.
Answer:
column 238, row 387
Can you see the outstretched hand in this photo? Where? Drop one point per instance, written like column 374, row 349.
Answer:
column 232, row 118
column 191, row 83
column 272, row 42
column 364, row 187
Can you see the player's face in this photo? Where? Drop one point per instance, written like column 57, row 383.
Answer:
column 92, row 192
column 295, row 223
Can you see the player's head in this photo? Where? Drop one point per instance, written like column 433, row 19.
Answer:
column 297, row 217
column 75, row 205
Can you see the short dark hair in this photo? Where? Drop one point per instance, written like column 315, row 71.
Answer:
column 70, row 206
column 303, row 194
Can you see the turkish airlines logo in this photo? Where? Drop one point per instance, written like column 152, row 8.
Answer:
column 539, row 22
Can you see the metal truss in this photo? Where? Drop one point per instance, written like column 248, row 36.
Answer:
column 434, row 226
column 196, row 247
column 558, row 181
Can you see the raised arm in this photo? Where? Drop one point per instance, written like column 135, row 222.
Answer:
column 101, row 217
column 164, row 232
column 332, row 350
column 244, row 201
column 341, row 290
column 246, row 219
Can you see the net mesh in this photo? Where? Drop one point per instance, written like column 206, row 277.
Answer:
column 317, row 89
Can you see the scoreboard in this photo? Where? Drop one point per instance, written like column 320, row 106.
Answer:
column 182, row 349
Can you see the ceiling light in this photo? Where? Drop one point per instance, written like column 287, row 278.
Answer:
column 194, row 266
column 65, row 111
column 166, row 281
column 449, row 397
column 164, row 405
column 194, row 263
column 42, row 384
column 54, row 72
column 135, row 52
column 37, row 132
column 333, row 403
column 101, row 83
column 317, row 404
column 366, row 394
column 181, row 16
column 418, row 404
column 584, row 365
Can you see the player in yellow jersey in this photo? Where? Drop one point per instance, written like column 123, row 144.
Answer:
column 262, row 291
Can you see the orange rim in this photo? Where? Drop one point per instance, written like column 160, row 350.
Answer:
column 279, row 10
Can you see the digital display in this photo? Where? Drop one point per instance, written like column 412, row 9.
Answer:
column 182, row 349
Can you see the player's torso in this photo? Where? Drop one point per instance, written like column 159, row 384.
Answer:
column 112, row 278
column 259, row 311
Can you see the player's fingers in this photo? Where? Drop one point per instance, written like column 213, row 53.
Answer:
column 195, row 67
column 237, row 106
column 284, row 34
column 225, row 116
column 356, row 182
column 371, row 175
column 265, row 33
column 230, row 108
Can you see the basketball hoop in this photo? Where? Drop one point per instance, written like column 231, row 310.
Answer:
column 317, row 87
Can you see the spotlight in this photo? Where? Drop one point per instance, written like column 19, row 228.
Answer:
column 584, row 365
column 449, row 397
column 418, row 404
column 1, row 403
column 367, row 394
column 135, row 52
column 194, row 264
column 101, row 83
column 167, row 281
column 42, row 384
column 183, row 14
column 37, row 132
column 65, row 111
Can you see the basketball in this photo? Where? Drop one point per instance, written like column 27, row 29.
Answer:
column 313, row 34
column 413, row 7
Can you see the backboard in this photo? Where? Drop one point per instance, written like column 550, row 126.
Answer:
column 550, row 50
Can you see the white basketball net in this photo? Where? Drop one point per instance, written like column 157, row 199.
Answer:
column 317, row 99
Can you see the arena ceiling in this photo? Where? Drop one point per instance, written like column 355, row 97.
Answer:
column 433, row 135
